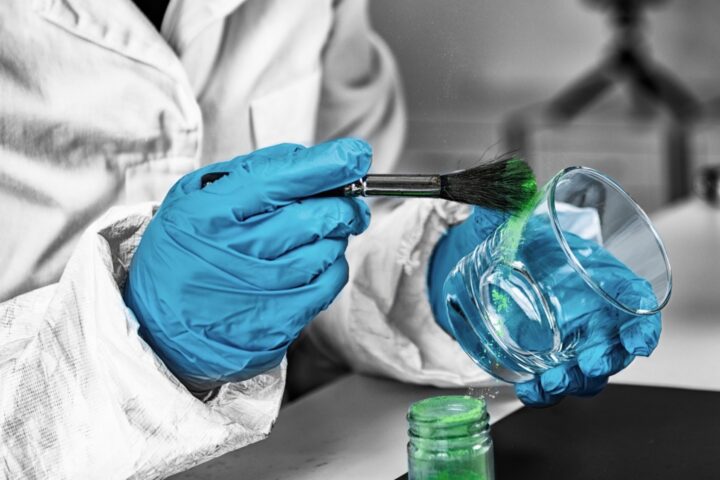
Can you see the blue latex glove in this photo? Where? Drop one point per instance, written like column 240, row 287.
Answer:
column 609, row 338
column 620, row 336
column 225, row 277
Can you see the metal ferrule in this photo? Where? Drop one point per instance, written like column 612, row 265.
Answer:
column 396, row 185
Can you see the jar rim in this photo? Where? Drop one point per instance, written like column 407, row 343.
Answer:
column 447, row 410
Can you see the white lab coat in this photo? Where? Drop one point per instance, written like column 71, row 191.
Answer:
column 98, row 116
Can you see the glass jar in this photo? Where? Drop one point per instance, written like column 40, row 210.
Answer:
column 450, row 439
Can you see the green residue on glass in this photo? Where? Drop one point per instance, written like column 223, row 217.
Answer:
column 450, row 439
column 500, row 300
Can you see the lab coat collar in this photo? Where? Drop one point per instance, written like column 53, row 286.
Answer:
column 185, row 19
column 120, row 26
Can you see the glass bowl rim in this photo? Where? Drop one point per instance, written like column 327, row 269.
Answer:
column 550, row 199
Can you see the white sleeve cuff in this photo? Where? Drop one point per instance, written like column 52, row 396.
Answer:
column 84, row 395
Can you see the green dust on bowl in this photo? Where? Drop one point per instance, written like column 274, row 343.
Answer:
column 512, row 229
column 501, row 301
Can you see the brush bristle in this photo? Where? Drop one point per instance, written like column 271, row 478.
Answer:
column 506, row 183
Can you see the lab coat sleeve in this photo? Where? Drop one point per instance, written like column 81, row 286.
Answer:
column 382, row 322
column 361, row 93
column 84, row 397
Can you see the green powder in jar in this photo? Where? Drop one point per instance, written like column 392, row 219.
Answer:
column 450, row 439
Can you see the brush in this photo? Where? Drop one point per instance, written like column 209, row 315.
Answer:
column 506, row 183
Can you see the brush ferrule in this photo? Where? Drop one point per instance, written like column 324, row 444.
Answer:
column 400, row 185
column 355, row 189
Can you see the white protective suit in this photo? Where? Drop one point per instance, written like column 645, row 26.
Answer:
column 99, row 114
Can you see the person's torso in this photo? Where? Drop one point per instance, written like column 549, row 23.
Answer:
column 96, row 109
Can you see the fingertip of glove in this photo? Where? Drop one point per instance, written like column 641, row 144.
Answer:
column 635, row 292
column 555, row 381
column 364, row 214
column 640, row 338
column 593, row 386
column 594, row 361
column 279, row 150
column 356, row 153
column 527, row 392
column 532, row 394
column 355, row 224
column 604, row 360
column 355, row 146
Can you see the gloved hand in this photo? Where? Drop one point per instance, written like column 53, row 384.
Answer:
column 608, row 338
column 616, row 336
column 225, row 277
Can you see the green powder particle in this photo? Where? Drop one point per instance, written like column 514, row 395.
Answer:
column 501, row 301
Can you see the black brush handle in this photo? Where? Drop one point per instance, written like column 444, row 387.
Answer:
column 402, row 185
column 389, row 185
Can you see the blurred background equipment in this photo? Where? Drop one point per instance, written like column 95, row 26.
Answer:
column 470, row 67
column 707, row 184
column 649, row 86
column 627, row 62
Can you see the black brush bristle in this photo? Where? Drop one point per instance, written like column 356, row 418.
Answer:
column 506, row 183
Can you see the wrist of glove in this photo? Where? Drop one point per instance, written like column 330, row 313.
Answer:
column 226, row 276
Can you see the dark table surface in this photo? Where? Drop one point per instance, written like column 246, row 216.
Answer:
column 626, row 432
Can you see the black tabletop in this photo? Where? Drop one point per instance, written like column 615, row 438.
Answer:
column 626, row 432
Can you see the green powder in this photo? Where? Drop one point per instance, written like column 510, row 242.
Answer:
column 501, row 301
column 450, row 439
column 527, row 197
column 529, row 186
column 511, row 235
column 447, row 410
column 518, row 184
column 512, row 230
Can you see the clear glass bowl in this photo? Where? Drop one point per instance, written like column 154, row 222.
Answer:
column 569, row 268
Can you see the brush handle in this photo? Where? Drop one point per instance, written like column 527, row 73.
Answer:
column 390, row 185
column 386, row 185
